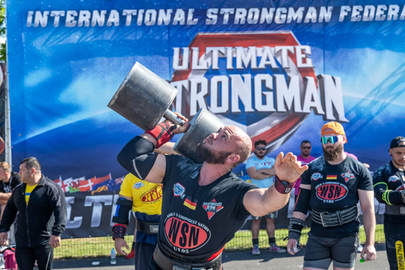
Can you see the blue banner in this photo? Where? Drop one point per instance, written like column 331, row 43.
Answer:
column 277, row 69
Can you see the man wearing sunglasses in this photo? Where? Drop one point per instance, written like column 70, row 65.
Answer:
column 305, row 158
column 261, row 170
column 331, row 188
column 389, row 188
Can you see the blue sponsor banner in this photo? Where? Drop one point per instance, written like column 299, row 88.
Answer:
column 277, row 69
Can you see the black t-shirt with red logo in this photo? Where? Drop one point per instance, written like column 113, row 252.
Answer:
column 335, row 187
column 197, row 221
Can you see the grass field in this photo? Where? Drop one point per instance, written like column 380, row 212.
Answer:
column 101, row 246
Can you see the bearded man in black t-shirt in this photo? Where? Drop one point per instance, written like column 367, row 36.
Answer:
column 203, row 204
column 331, row 189
column 8, row 181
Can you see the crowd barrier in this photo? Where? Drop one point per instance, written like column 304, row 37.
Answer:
column 101, row 246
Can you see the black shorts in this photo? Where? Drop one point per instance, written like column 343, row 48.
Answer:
column 321, row 251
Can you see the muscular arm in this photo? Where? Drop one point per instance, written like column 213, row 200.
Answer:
column 260, row 202
column 298, row 214
column 158, row 170
column 382, row 192
column 166, row 149
column 367, row 206
column 138, row 157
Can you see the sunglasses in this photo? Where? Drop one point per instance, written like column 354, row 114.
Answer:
column 331, row 139
column 306, row 147
column 260, row 148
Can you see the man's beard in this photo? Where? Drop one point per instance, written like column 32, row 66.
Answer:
column 397, row 164
column 209, row 156
column 334, row 155
column 304, row 155
column 260, row 156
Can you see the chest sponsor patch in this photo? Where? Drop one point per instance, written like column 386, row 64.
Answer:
column 316, row 176
column 138, row 185
column 185, row 234
column 331, row 177
column 178, row 190
column 152, row 195
column 347, row 176
column 330, row 192
column 212, row 207
column 393, row 178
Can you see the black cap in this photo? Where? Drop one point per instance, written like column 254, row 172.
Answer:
column 396, row 141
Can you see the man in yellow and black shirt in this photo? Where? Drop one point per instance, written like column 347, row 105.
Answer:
column 146, row 201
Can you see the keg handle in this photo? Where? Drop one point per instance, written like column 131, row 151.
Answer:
column 169, row 115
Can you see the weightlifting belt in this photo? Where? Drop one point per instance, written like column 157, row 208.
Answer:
column 395, row 210
column 336, row 218
column 147, row 227
column 166, row 263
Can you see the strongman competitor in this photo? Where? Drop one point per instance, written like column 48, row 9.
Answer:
column 331, row 188
column 389, row 188
column 203, row 204
column 145, row 200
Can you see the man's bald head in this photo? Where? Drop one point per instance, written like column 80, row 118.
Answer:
column 243, row 144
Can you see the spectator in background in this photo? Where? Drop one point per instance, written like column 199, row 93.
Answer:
column 8, row 181
column 41, row 208
column 305, row 158
column 261, row 170
column 389, row 184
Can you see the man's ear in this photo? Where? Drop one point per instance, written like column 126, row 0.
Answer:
column 344, row 139
column 233, row 158
column 389, row 151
